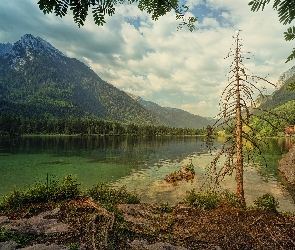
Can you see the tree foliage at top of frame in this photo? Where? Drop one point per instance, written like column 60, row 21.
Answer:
column 242, row 86
column 286, row 14
column 101, row 8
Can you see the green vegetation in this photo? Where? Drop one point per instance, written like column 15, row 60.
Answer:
column 50, row 191
column 286, row 14
column 273, row 125
column 102, row 193
column 10, row 125
column 267, row 202
column 210, row 200
column 54, row 190
column 69, row 188
column 102, row 8
column 165, row 207
column 190, row 167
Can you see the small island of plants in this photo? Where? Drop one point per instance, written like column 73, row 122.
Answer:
column 186, row 172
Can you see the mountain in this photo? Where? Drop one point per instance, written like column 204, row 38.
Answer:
column 4, row 48
column 281, row 95
column 174, row 117
column 39, row 81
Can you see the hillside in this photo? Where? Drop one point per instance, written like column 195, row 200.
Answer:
column 39, row 81
column 174, row 117
column 281, row 104
column 281, row 95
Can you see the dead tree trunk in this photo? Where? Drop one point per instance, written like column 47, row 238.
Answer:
column 236, row 106
column 239, row 136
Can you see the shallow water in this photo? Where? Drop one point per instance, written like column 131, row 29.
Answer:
column 139, row 163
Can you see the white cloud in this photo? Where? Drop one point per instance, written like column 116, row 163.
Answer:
column 151, row 58
column 203, row 108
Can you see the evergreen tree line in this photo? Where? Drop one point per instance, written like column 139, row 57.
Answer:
column 17, row 126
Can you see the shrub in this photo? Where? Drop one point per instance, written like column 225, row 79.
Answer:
column 206, row 201
column 267, row 202
column 190, row 167
column 103, row 193
column 210, row 200
column 165, row 207
column 230, row 199
column 52, row 190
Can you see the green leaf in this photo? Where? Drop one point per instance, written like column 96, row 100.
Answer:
column 290, row 34
column 257, row 4
column 291, row 57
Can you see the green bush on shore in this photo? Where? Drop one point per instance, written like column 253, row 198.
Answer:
column 53, row 191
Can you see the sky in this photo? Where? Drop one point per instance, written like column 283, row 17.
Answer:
column 152, row 59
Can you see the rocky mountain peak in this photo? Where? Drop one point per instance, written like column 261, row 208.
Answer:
column 285, row 76
column 29, row 42
column 26, row 49
column 5, row 47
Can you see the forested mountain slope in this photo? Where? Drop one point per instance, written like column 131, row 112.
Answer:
column 281, row 106
column 39, row 81
column 174, row 117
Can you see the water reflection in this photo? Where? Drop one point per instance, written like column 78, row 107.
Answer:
column 140, row 163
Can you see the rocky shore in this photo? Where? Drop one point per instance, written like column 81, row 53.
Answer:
column 287, row 166
column 83, row 224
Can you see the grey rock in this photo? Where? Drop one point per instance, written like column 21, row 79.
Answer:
column 144, row 245
column 8, row 245
column 36, row 225
column 46, row 247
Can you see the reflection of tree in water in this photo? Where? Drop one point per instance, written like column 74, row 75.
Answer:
column 129, row 150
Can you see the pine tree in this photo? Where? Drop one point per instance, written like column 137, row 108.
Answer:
column 237, row 106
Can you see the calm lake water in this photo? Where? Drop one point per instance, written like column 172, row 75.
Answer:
column 140, row 163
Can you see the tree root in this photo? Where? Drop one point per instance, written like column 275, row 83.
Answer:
column 90, row 203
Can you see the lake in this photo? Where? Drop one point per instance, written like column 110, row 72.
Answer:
column 140, row 163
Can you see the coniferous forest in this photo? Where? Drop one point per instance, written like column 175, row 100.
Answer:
column 16, row 126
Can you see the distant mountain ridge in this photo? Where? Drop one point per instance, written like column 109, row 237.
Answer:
column 174, row 117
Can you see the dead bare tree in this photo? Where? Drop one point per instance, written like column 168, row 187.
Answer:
column 236, row 109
